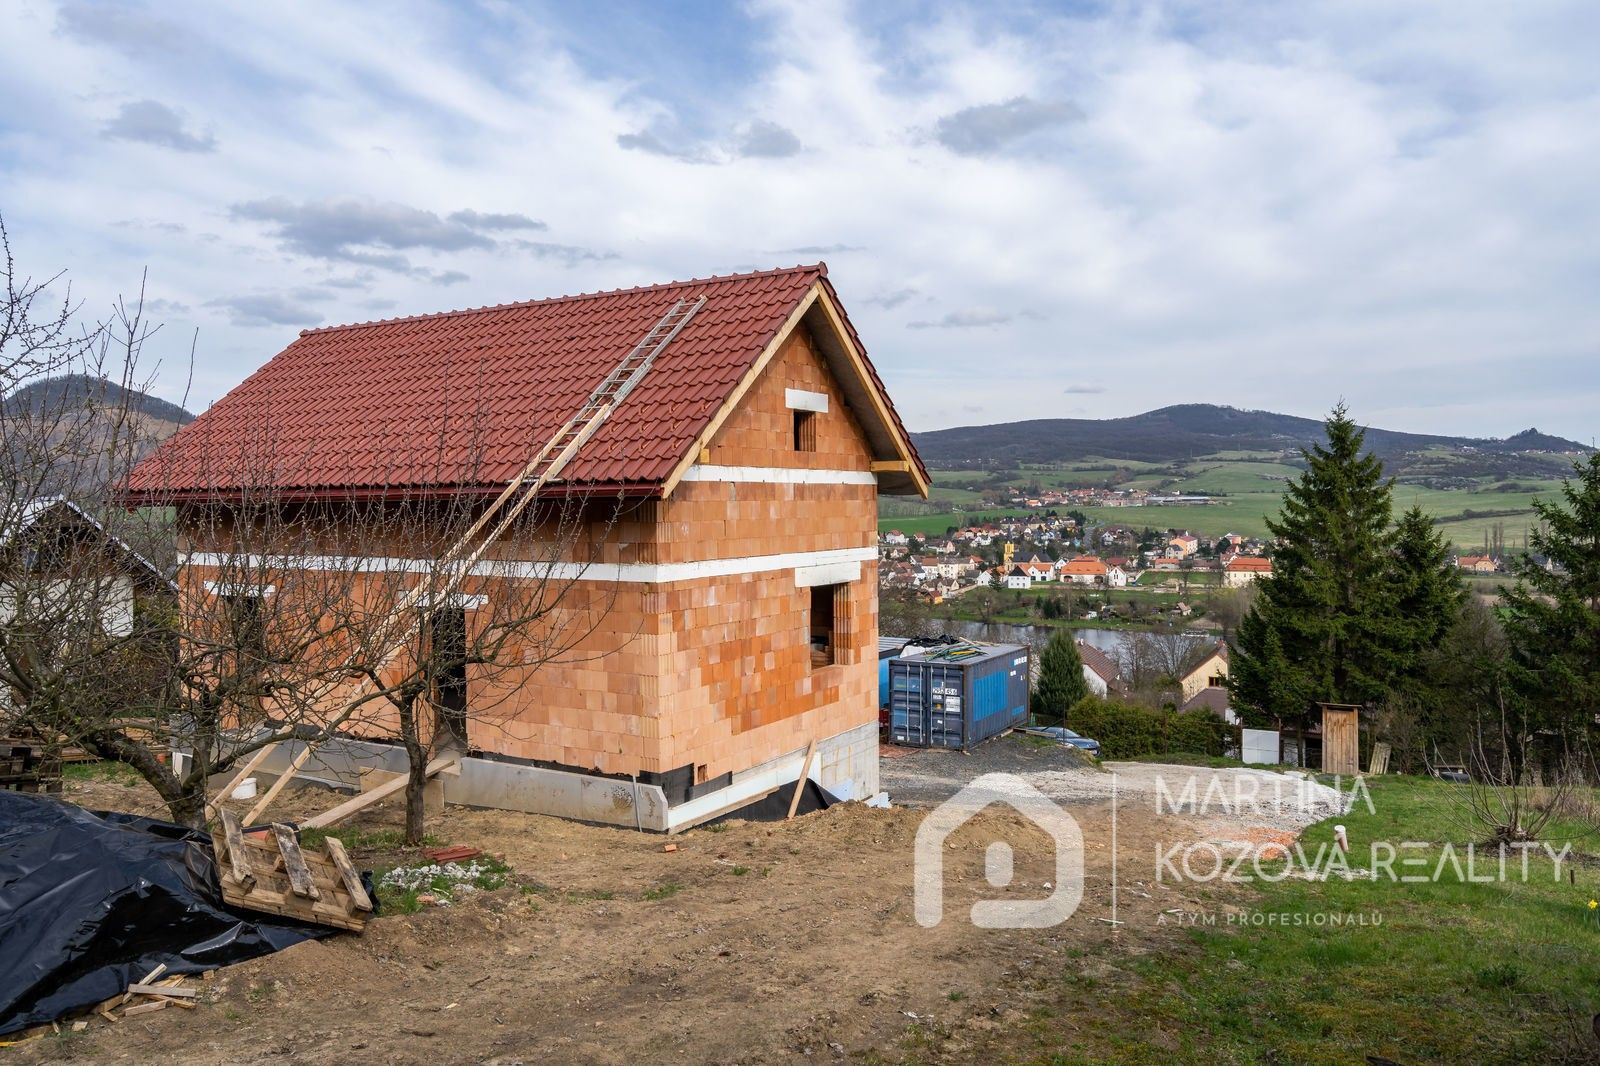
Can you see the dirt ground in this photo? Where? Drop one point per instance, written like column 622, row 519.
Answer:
column 751, row 943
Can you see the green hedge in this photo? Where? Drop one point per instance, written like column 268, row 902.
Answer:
column 1129, row 732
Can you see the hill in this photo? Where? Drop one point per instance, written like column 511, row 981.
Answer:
column 72, row 391
column 72, row 434
column 1189, row 431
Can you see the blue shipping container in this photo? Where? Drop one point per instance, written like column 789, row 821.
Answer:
column 957, row 697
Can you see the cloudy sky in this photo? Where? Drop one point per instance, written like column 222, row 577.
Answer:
column 1030, row 210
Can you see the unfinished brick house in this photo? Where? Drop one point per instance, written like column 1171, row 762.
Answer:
column 741, row 580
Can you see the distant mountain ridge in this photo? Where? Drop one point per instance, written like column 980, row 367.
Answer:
column 70, row 391
column 1188, row 431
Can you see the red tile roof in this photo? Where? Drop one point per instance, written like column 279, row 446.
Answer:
column 1249, row 564
column 1101, row 663
column 462, row 399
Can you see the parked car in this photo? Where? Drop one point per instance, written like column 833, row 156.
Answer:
column 1062, row 735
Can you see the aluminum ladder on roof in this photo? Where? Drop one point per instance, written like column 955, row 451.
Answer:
column 549, row 461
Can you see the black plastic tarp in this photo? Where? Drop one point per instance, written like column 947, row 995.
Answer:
column 90, row 903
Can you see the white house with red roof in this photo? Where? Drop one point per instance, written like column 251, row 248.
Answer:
column 1241, row 570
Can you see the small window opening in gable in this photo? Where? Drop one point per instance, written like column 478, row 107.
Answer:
column 1216, row 681
column 805, row 431
column 824, row 627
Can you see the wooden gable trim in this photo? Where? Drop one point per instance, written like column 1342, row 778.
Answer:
column 880, row 404
column 703, row 441
column 815, row 297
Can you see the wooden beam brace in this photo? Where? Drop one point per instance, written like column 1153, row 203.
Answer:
column 382, row 792
column 234, row 782
column 277, row 786
column 891, row 466
column 805, row 774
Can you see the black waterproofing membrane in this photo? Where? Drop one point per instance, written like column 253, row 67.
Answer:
column 775, row 807
column 91, row 902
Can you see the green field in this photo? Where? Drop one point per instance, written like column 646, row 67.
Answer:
column 1247, row 490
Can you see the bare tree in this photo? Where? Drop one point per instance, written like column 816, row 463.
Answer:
column 442, row 650
column 289, row 619
column 1153, row 663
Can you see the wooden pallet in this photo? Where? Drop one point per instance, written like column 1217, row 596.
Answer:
column 267, row 871
column 29, row 765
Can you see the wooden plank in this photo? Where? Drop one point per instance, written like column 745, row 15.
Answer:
column 238, row 860
column 227, row 790
column 163, row 990
column 382, row 792
column 149, row 977
column 891, row 466
column 347, row 873
column 277, row 786
column 145, row 1008
column 294, row 863
column 800, row 785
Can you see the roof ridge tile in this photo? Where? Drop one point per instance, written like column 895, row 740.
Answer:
column 820, row 268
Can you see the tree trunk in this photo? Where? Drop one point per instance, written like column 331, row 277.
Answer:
column 416, row 772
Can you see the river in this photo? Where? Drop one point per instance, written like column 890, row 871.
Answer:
column 1107, row 640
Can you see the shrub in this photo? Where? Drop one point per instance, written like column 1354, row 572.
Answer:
column 1129, row 732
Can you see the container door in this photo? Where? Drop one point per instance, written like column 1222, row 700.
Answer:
column 908, row 710
column 946, row 710
column 1018, row 678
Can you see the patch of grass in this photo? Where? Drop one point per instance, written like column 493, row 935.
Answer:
column 739, row 871
column 1500, row 975
column 957, row 997
column 716, row 827
column 105, row 770
column 665, row 890
column 1411, row 972
column 376, row 838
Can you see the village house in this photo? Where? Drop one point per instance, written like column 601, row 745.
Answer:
column 1182, row 545
column 1241, row 570
column 1211, row 672
column 1477, row 564
column 1117, row 577
column 1018, row 578
column 1082, row 570
column 895, row 538
column 1038, row 568
column 1099, row 670
column 739, row 582
column 54, row 552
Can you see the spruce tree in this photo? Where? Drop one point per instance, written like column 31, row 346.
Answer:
column 1323, row 627
column 1061, row 680
column 1552, row 615
column 1426, row 591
